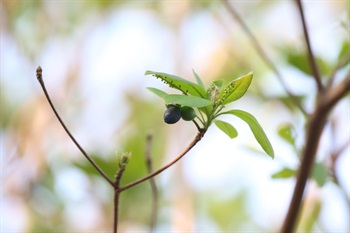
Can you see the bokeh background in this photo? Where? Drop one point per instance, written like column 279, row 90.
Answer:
column 94, row 55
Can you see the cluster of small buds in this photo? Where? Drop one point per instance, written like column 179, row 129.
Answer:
column 210, row 89
column 226, row 92
column 170, row 83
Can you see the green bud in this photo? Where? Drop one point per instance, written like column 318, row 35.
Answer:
column 123, row 159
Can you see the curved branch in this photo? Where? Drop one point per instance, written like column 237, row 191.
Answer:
column 41, row 81
column 188, row 148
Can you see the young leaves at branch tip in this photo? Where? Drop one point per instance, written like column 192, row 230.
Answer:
column 208, row 103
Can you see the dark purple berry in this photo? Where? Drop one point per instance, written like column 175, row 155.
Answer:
column 172, row 115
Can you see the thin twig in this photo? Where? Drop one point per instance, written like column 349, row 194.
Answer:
column 315, row 71
column 189, row 147
column 263, row 55
column 334, row 159
column 154, row 212
column 318, row 119
column 344, row 61
column 116, row 197
column 197, row 126
column 41, row 81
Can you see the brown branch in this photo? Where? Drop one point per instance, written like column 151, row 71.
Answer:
column 324, row 105
column 152, row 182
column 189, row 147
column 197, row 126
column 41, row 81
column 116, row 197
column 315, row 71
column 262, row 54
column 337, row 92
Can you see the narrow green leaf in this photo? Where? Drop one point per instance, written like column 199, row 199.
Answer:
column 198, row 79
column 319, row 173
column 235, row 89
column 227, row 128
column 180, row 84
column 257, row 130
column 186, row 100
column 158, row 92
column 284, row 173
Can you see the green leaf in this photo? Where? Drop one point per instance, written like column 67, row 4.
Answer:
column 255, row 127
column 186, row 100
column 344, row 51
column 158, row 92
column 235, row 89
column 284, row 173
column 286, row 132
column 300, row 60
column 227, row 128
column 198, row 79
column 180, row 84
column 319, row 173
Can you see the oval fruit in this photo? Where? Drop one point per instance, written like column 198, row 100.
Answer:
column 188, row 113
column 172, row 115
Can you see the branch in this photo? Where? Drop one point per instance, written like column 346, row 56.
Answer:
column 337, row 92
column 334, row 159
column 262, row 54
column 344, row 61
column 311, row 56
column 116, row 197
column 41, row 81
column 197, row 126
column 317, row 122
column 152, row 182
column 189, row 147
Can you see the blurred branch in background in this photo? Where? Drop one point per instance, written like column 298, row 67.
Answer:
column 154, row 189
column 334, row 159
column 259, row 49
column 316, row 122
column 325, row 102
column 312, row 60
